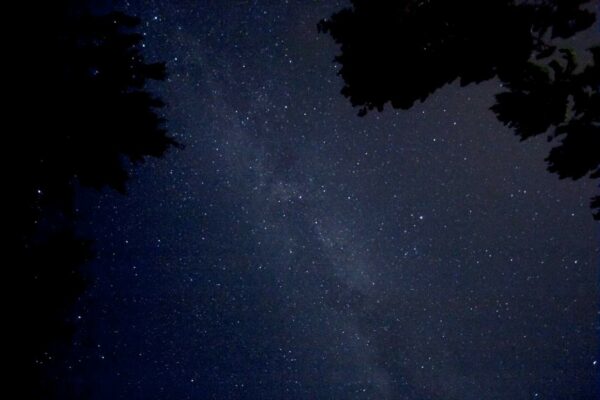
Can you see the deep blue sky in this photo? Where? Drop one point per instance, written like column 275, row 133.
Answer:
column 294, row 250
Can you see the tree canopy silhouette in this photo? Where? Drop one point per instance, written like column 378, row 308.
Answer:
column 83, row 117
column 401, row 51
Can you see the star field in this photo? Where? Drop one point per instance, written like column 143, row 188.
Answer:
column 294, row 250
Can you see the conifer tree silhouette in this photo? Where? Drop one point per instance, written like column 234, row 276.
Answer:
column 82, row 116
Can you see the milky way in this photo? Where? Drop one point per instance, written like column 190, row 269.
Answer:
column 294, row 250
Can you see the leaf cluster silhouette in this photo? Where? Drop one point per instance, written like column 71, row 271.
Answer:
column 401, row 51
column 82, row 116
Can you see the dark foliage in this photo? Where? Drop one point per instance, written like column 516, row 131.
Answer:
column 401, row 51
column 82, row 117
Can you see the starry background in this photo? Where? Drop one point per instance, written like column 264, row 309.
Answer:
column 294, row 250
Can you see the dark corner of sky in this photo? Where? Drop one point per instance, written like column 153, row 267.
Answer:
column 99, row 7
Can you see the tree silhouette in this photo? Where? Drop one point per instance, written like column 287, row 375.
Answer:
column 82, row 117
column 401, row 51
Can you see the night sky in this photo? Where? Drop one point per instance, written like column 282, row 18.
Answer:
column 294, row 250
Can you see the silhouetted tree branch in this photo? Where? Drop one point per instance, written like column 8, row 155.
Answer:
column 83, row 116
column 401, row 51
